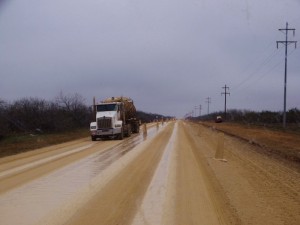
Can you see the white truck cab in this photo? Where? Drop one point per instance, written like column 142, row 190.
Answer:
column 115, row 118
column 108, row 121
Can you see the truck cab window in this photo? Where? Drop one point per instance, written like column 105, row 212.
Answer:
column 107, row 107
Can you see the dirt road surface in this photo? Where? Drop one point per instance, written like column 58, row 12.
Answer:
column 178, row 173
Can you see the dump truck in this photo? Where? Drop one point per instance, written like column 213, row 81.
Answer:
column 116, row 118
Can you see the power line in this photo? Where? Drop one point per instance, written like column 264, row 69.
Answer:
column 263, row 61
column 252, row 62
column 261, row 65
column 267, row 72
column 286, row 43
column 263, row 75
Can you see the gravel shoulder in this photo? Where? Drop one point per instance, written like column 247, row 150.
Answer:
column 285, row 144
column 260, row 189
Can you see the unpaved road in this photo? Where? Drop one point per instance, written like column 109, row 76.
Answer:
column 169, row 176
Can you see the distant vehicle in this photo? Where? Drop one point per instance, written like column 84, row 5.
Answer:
column 116, row 117
column 218, row 119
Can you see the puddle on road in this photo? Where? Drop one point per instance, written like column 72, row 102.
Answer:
column 156, row 192
column 104, row 159
column 32, row 202
column 42, row 161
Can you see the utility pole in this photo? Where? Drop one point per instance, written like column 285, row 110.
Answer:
column 225, row 93
column 286, row 43
column 208, row 101
column 200, row 107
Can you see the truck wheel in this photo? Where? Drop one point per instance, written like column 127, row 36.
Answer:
column 121, row 135
column 93, row 138
column 129, row 131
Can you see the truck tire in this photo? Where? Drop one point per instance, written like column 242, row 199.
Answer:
column 93, row 138
column 137, row 128
column 121, row 135
column 129, row 131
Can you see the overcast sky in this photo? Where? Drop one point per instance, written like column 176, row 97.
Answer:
column 167, row 55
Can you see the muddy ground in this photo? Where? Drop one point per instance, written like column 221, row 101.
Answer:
column 178, row 173
column 273, row 141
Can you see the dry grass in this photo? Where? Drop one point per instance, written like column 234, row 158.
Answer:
column 282, row 142
column 26, row 142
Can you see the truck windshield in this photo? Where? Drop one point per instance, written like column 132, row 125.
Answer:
column 106, row 107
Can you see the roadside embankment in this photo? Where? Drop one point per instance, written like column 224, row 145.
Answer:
column 26, row 142
column 285, row 144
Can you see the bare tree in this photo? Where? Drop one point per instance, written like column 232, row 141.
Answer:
column 74, row 106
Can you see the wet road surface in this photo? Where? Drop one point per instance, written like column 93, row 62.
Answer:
column 36, row 199
column 169, row 176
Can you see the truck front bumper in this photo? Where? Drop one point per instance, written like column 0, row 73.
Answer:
column 102, row 133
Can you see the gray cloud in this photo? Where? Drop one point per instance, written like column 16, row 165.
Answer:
column 167, row 55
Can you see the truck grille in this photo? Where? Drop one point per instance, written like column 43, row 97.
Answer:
column 104, row 123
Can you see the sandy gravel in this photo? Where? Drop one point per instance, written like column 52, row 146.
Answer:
column 260, row 189
column 172, row 176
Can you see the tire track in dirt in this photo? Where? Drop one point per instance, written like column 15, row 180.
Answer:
column 58, row 193
column 21, row 177
column 118, row 201
column 152, row 210
column 200, row 198
column 261, row 189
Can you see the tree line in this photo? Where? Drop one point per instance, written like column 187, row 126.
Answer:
column 253, row 117
column 151, row 117
column 35, row 115
column 64, row 113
